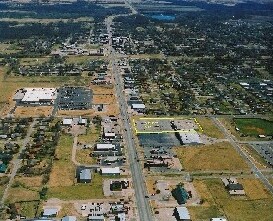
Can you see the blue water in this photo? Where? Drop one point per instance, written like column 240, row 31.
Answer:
column 162, row 17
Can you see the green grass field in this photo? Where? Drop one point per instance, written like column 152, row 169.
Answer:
column 254, row 127
column 29, row 209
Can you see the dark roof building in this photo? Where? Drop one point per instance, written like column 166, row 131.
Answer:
column 180, row 194
column 3, row 168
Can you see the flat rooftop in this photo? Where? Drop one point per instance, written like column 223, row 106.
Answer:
column 36, row 95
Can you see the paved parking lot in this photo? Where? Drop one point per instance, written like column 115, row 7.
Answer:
column 165, row 125
column 265, row 150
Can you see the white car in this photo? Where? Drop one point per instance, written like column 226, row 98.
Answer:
column 83, row 207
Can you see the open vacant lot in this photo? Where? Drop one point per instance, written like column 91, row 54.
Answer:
column 218, row 156
column 217, row 200
column 102, row 90
column 87, row 113
column 204, row 212
column 63, row 170
column 29, row 209
column 104, row 99
column 209, row 128
column 91, row 136
column 62, row 183
column 79, row 191
column 25, row 188
column 256, row 157
column 83, row 157
column 33, row 111
column 254, row 189
column 17, row 194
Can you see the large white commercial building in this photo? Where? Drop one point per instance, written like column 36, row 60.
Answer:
column 36, row 96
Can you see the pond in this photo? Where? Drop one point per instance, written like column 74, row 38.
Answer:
column 162, row 17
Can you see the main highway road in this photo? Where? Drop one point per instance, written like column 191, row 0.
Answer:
column 143, row 205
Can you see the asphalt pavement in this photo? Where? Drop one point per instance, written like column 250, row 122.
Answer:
column 143, row 205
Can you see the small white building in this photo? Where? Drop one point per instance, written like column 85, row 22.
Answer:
column 233, row 186
column 67, row 121
column 110, row 171
column 105, row 146
column 69, row 218
column 218, row 219
column 182, row 213
column 109, row 135
column 50, row 212
column 121, row 217
column 138, row 107
column 74, row 121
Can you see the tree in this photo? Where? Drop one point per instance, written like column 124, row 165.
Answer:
column 43, row 193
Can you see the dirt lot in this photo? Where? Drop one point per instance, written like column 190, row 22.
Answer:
column 104, row 99
column 87, row 113
column 33, row 111
column 102, row 90
column 163, row 213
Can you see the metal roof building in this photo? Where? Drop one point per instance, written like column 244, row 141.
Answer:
column 50, row 212
column 182, row 214
column 36, row 95
column 138, row 106
column 105, row 146
column 110, row 171
column 69, row 218
column 180, row 194
column 84, row 175
column 190, row 137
